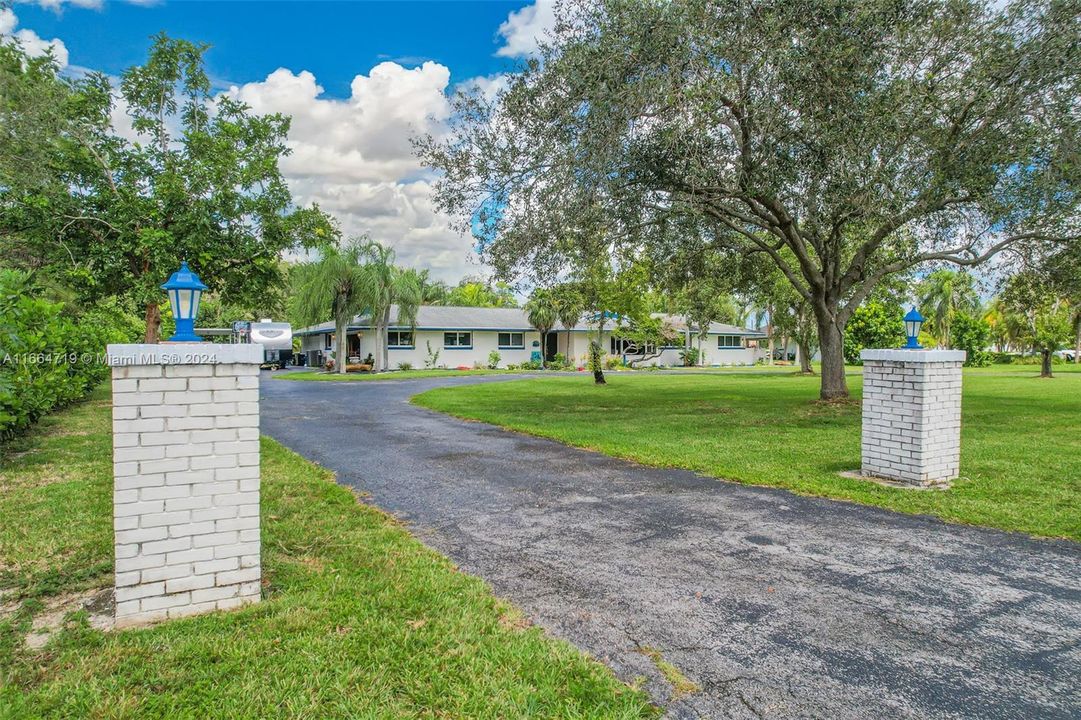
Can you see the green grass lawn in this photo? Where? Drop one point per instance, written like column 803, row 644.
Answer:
column 359, row 620
column 1020, row 442
column 317, row 375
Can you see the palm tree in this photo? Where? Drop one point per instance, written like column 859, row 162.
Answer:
column 569, row 308
column 389, row 285
column 432, row 292
column 337, row 281
column 942, row 295
column 540, row 310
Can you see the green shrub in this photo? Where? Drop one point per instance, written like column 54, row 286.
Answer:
column 493, row 360
column 47, row 357
column 405, row 366
column 690, row 356
column 972, row 335
column 873, row 325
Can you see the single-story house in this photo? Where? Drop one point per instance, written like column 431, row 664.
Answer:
column 466, row 336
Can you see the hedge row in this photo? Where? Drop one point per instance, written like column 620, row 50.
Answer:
column 48, row 358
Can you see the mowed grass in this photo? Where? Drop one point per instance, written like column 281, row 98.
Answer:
column 359, row 620
column 1020, row 438
column 316, row 375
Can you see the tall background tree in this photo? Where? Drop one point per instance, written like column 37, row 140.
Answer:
column 540, row 311
column 1046, row 326
column 942, row 296
column 568, row 301
column 863, row 138
column 111, row 217
column 389, row 285
column 337, row 284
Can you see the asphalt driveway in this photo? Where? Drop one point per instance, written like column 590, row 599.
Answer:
column 776, row 605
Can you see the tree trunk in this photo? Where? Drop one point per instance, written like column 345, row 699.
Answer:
column 595, row 358
column 153, row 324
column 340, row 357
column 1045, row 363
column 804, row 351
column 834, row 386
column 384, row 343
column 544, row 349
column 1077, row 344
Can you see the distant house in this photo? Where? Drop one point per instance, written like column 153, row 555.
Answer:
column 466, row 336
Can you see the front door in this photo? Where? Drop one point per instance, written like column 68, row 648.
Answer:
column 551, row 346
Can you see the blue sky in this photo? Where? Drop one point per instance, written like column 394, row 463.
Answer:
column 333, row 40
column 359, row 80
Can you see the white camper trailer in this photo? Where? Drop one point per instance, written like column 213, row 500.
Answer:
column 276, row 339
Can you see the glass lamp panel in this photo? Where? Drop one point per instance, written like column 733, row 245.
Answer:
column 196, row 296
column 174, row 300
column 184, row 301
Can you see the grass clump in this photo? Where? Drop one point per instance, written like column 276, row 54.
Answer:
column 681, row 684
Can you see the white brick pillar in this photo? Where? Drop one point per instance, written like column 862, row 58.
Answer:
column 912, row 415
column 186, row 478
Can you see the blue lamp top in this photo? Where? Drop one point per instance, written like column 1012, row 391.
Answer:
column 913, row 316
column 184, row 279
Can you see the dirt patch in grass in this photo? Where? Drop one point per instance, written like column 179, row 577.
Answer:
column 99, row 606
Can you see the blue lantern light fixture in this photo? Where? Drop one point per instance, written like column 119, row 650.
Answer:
column 913, row 322
column 185, row 290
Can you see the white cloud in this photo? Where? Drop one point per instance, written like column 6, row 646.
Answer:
column 31, row 42
column 57, row 5
column 353, row 157
column 524, row 29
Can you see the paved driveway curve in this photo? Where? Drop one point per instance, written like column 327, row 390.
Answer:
column 776, row 605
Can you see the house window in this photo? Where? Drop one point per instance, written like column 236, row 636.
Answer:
column 511, row 340
column 399, row 338
column 457, row 340
column 328, row 342
column 728, row 341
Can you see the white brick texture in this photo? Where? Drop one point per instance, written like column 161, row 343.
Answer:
column 912, row 416
column 186, row 480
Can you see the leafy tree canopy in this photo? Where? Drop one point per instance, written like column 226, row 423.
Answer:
column 844, row 140
column 112, row 216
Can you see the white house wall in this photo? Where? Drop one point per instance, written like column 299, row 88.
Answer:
column 484, row 341
column 712, row 355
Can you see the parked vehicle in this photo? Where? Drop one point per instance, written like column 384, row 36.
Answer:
column 277, row 341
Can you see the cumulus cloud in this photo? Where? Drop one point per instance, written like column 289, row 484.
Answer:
column 524, row 29
column 353, row 156
column 31, row 42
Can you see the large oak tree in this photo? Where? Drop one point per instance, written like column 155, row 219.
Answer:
column 845, row 140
